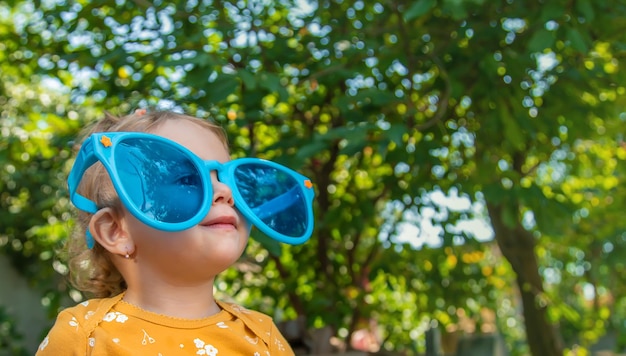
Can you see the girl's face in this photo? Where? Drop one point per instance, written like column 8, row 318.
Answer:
column 197, row 254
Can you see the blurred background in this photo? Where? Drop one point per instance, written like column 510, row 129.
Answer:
column 468, row 159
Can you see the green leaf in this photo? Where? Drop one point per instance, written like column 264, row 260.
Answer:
column 356, row 141
column 395, row 133
column 376, row 96
column 551, row 11
column 344, row 103
column 419, row 8
column 272, row 83
column 456, row 9
column 221, row 88
column 249, row 80
column 541, row 40
column 585, row 9
column 576, row 40
column 311, row 149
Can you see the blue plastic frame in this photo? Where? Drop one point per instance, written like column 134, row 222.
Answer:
column 102, row 147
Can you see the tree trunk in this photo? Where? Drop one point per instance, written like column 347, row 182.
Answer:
column 518, row 247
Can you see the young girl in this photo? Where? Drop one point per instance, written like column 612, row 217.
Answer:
column 162, row 211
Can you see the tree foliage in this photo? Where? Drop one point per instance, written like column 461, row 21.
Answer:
column 513, row 106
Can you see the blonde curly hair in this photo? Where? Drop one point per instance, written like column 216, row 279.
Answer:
column 92, row 270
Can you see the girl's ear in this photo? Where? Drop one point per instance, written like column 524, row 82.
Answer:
column 107, row 229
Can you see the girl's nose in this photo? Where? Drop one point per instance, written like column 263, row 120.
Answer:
column 222, row 193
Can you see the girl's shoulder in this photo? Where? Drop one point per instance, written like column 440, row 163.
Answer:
column 91, row 304
column 73, row 325
column 243, row 312
column 88, row 309
column 260, row 323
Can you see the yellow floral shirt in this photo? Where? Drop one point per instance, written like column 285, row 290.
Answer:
column 111, row 326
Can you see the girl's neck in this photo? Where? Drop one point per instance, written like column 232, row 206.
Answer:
column 175, row 301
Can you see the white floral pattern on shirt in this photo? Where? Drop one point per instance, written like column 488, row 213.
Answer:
column 205, row 349
column 74, row 323
column 115, row 316
column 279, row 345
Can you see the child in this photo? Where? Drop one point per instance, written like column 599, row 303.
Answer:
column 162, row 211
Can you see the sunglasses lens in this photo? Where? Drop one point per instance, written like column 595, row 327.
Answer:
column 160, row 180
column 274, row 196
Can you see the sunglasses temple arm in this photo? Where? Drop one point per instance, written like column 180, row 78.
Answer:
column 89, row 239
column 85, row 159
column 84, row 204
column 277, row 204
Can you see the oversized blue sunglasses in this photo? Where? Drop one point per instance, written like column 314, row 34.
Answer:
column 168, row 187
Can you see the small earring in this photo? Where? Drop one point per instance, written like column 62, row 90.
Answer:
column 126, row 256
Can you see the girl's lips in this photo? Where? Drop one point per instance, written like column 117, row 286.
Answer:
column 221, row 222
